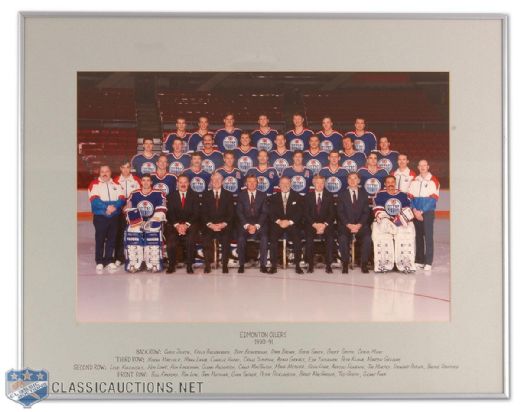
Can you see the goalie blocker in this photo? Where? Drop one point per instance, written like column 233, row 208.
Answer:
column 393, row 234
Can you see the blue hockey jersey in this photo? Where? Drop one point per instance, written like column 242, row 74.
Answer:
column 154, row 201
column 246, row 160
column 301, row 182
column 233, row 180
column 227, row 141
column 165, row 184
column 212, row 161
column 331, row 141
column 267, row 179
column 372, row 182
column 142, row 165
column 335, row 181
column 391, row 204
column 353, row 162
column 387, row 161
column 168, row 142
column 177, row 165
column 280, row 160
column 199, row 181
column 316, row 161
column 298, row 141
column 264, row 141
column 365, row 143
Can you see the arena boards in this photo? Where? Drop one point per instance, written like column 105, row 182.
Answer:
column 254, row 335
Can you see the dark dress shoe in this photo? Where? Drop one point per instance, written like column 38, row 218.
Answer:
column 207, row 269
column 298, row 270
column 344, row 269
column 241, row 269
column 310, row 269
column 170, row 269
column 328, row 269
column 263, row 269
column 189, row 269
column 364, row 268
column 225, row 269
column 273, row 270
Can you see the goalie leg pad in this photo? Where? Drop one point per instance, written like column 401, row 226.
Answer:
column 383, row 249
column 405, row 249
column 133, row 243
column 153, row 255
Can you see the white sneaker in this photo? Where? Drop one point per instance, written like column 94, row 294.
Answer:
column 99, row 268
column 118, row 263
column 112, row 267
column 428, row 267
column 419, row 265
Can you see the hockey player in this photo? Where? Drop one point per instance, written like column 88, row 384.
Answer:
column 161, row 179
column 280, row 158
column 298, row 138
column 129, row 183
column 199, row 178
column 329, row 138
column 144, row 163
column 195, row 140
column 246, row 155
column 177, row 160
column 145, row 210
column 364, row 141
column 372, row 177
column 266, row 176
column 335, row 176
column 301, row 177
column 386, row 158
column 228, row 137
column 106, row 199
column 403, row 174
column 180, row 133
column 424, row 192
column 393, row 232
column 233, row 178
column 263, row 137
column 314, row 158
column 211, row 158
column 351, row 160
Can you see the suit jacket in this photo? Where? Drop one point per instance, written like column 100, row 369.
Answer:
column 244, row 213
column 353, row 214
column 294, row 209
column 327, row 210
column 209, row 213
column 178, row 214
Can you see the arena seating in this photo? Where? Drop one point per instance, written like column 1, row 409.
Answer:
column 113, row 104
column 246, row 107
column 97, row 146
column 402, row 105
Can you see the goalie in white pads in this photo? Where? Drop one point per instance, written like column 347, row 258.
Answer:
column 145, row 211
column 393, row 233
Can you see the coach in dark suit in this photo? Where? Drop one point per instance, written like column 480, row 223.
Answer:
column 216, row 215
column 286, row 214
column 182, row 222
column 319, row 221
column 252, row 214
column 353, row 220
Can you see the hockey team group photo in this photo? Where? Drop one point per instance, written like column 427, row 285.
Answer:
column 276, row 196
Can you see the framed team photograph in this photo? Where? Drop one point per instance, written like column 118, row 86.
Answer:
column 262, row 212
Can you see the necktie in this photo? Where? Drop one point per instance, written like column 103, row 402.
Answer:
column 318, row 205
column 183, row 200
column 354, row 197
column 216, row 199
column 252, row 203
column 284, row 203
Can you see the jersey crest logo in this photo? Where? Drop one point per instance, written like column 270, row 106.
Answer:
column 393, row 206
column 264, row 143
column 263, row 183
column 298, row 183
column 350, row 166
column 146, row 208
column 147, row 167
column 230, row 184
column 314, row 165
column 333, row 184
column 280, row 164
column 208, row 165
column 245, row 163
column 198, row 184
column 176, row 168
column 296, row 144
column 326, row 146
column 386, row 164
column 163, row 187
column 359, row 145
column 372, row 186
column 230, row 142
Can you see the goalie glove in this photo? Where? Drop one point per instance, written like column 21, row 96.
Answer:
column 404, row 217
column 133, row 217
column 159, row 216
column 381, row 215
